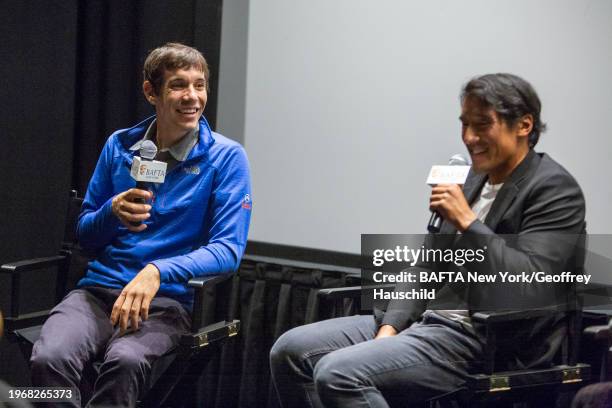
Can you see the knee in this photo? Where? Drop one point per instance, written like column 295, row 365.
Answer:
column 41, row 357
column 127, row 363
column 332, row 374
column 45, row 357
column 594, row 395
column 338, row 375
column 50, row 360
column 288, row 350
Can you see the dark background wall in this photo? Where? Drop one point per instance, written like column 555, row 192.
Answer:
column 71, row 74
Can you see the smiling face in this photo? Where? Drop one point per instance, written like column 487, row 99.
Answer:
column 180, row 102
column 495, row 147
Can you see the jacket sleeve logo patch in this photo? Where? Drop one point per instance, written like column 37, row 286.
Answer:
column 246, row 202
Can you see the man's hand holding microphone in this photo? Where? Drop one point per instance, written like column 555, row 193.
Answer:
column 448, row 201
column 131, row 206
column 132, row 209
column 130, row 212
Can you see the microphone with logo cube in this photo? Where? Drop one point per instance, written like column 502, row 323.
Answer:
column 146, row 170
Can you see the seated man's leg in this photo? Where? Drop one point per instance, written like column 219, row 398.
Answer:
column 295, row 354
column 128, row 359
column 424, row 361
column 77, row 329
column 594, row 396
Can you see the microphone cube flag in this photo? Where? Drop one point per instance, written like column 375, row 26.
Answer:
column 447, row 175
column 148, row 171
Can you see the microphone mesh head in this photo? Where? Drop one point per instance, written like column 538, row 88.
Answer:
column 458, row 160
column 148, row 150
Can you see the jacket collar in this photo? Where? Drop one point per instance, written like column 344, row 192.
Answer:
column 510, row 189
column 178, row 151
column 132, row 135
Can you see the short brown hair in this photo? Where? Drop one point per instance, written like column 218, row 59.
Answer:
column 170, row 57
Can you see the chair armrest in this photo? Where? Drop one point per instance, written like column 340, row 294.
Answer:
column 490, row 319
column 208, row 281
column 15, row 270
column 349, row 292
column 503, row 316
column 342, row 301
column 32, row 264
column 203, row 289
column 210, row 334
column 599, row 334
column 339, row 293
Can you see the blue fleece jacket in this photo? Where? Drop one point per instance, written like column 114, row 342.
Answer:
column 199, row 218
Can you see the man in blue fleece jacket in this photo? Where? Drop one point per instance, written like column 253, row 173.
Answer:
column 130, row 308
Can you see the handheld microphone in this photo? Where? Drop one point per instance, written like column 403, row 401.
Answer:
column 148, row 151
column 454, row 173
column 145, row 170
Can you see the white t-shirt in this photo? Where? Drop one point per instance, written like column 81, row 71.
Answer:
column 483, row 204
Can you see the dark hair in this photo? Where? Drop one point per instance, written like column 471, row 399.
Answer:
column 510, row 96
column 169, row 57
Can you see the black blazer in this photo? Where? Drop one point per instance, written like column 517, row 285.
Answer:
column 543, row 208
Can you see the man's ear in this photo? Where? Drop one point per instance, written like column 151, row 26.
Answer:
column 525, row 125
column 149, row 92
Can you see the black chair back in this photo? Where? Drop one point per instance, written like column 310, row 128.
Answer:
column 77, row 258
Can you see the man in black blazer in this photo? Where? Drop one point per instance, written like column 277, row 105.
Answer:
column 411, row 353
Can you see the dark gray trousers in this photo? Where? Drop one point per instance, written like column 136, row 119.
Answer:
column 336, row 363
column 78, row 332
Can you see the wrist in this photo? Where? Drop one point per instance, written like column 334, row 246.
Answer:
column 466, row 221
column 153, row 271
column 386, row 330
